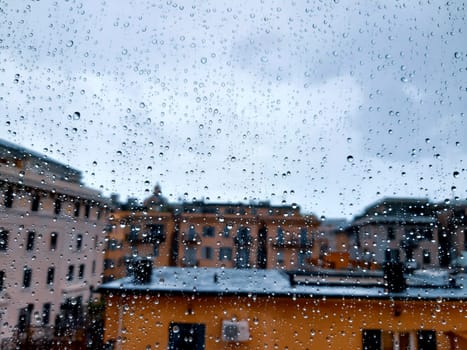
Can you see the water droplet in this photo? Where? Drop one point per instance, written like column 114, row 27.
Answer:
column 94, row 163
column 204, row 60
column 76, row 116
column 455, row 174
column 350, row 158
column 69, row 43
column 404, row 79
column 142, row 105
column 457, row 54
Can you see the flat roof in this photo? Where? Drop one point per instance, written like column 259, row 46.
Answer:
column 422, row 285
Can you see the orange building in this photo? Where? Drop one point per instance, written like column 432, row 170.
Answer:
column 216, row 308
column 210, row 235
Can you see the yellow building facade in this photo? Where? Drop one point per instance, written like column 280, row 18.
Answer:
column 204, row 308
column 208, row 235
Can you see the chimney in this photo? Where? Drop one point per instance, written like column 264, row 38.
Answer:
column 142, row 270
column 393, row 271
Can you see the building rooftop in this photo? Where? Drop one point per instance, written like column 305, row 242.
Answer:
column 422, row 285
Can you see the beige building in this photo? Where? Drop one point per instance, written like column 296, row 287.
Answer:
column 51, row 242
column 408, row 225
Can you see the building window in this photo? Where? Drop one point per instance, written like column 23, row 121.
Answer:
column 154, row 234
column 30, row 241
column 24, row 319
column 225, row 253
column 108, row 264
column 190, row 256
column 303, row 237
column 391, row 233
column 46, row 313
column 426, row 340
column 280, row 236
column 134, row 232
column 76, row 208
column 50, row 275
column 208, row 231
column 35, row 202
column 227, row 230
column 8, row 197
column 2, row 280
column 427, row 233
column 242, row 260
column 207, row 253
column 426, row 256
column 375, row 339
column 79, row 242
column 53, row 240
column 27, row 277
column 81, row 271
column 87, row 210
column 57, row 206
column 280, row 257
column 93, row 267
column 70, row 273
column 3, row 240
column 371, row 339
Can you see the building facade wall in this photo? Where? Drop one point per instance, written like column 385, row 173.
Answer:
column 142, row 322
column 51, row 244
column 223, row 235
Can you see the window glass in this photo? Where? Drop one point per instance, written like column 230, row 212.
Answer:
column 233, row 174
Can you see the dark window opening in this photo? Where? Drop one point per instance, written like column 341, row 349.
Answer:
column 87, row 210
column 188, row 336
column 280, row 236
column 3, row 240
column 371, row 339
column 426, row 257
column 207, row 253
column 53, row 240
column 208, row 231
column 30, row 241
column 46, row 313
column 76, row 209
column 225, row 253
column 81, row 271
column 50, row 275
column 426, row 340
column 35, row 202
column 27, row 277
column 57, row 206
column 391, row 233
column 2, row 280
column 154, row 234
column 8, row 197
column 79, row 242
column 24, row 319
column 71, row 271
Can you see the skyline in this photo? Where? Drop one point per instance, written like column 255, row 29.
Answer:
column 330, row 106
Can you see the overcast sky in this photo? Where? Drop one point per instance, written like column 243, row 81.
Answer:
column 330, row 105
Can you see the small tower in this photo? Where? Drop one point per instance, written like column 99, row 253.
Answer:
column 156, row 201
